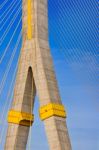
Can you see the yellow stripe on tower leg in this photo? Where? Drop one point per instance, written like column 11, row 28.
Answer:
column 29, row 20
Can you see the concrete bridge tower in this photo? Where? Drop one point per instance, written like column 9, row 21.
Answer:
column 36, row 74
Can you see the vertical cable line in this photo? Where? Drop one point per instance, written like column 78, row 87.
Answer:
column 8, row 9
column 9, row 16
column 2, row 57
column 8, row 67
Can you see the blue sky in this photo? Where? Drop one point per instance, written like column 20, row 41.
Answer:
column 73, row 36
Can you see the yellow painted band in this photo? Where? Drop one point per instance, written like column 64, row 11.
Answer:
column 20, row 118
column 29, row 19
column 52, row 109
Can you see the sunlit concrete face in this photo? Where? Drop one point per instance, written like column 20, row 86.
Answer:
column 36, row 73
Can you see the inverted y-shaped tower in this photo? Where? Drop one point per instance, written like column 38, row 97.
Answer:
column 36, row 73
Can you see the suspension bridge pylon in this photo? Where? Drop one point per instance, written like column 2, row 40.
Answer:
column 36, row 74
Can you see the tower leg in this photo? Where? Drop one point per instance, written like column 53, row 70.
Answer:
column 57, row 133
column 24, row 94
column 17, row 137
column 46, row 83
column 48, row 92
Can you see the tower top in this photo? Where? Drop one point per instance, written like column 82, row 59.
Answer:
column 34, row 18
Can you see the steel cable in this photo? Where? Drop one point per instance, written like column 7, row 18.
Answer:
column 3, row 4
column 8, row 68
column 5, row 21
column 5, row 12
column 10, row 25
column 1, row 59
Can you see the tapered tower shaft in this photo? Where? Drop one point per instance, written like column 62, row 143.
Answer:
column 36, row 73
